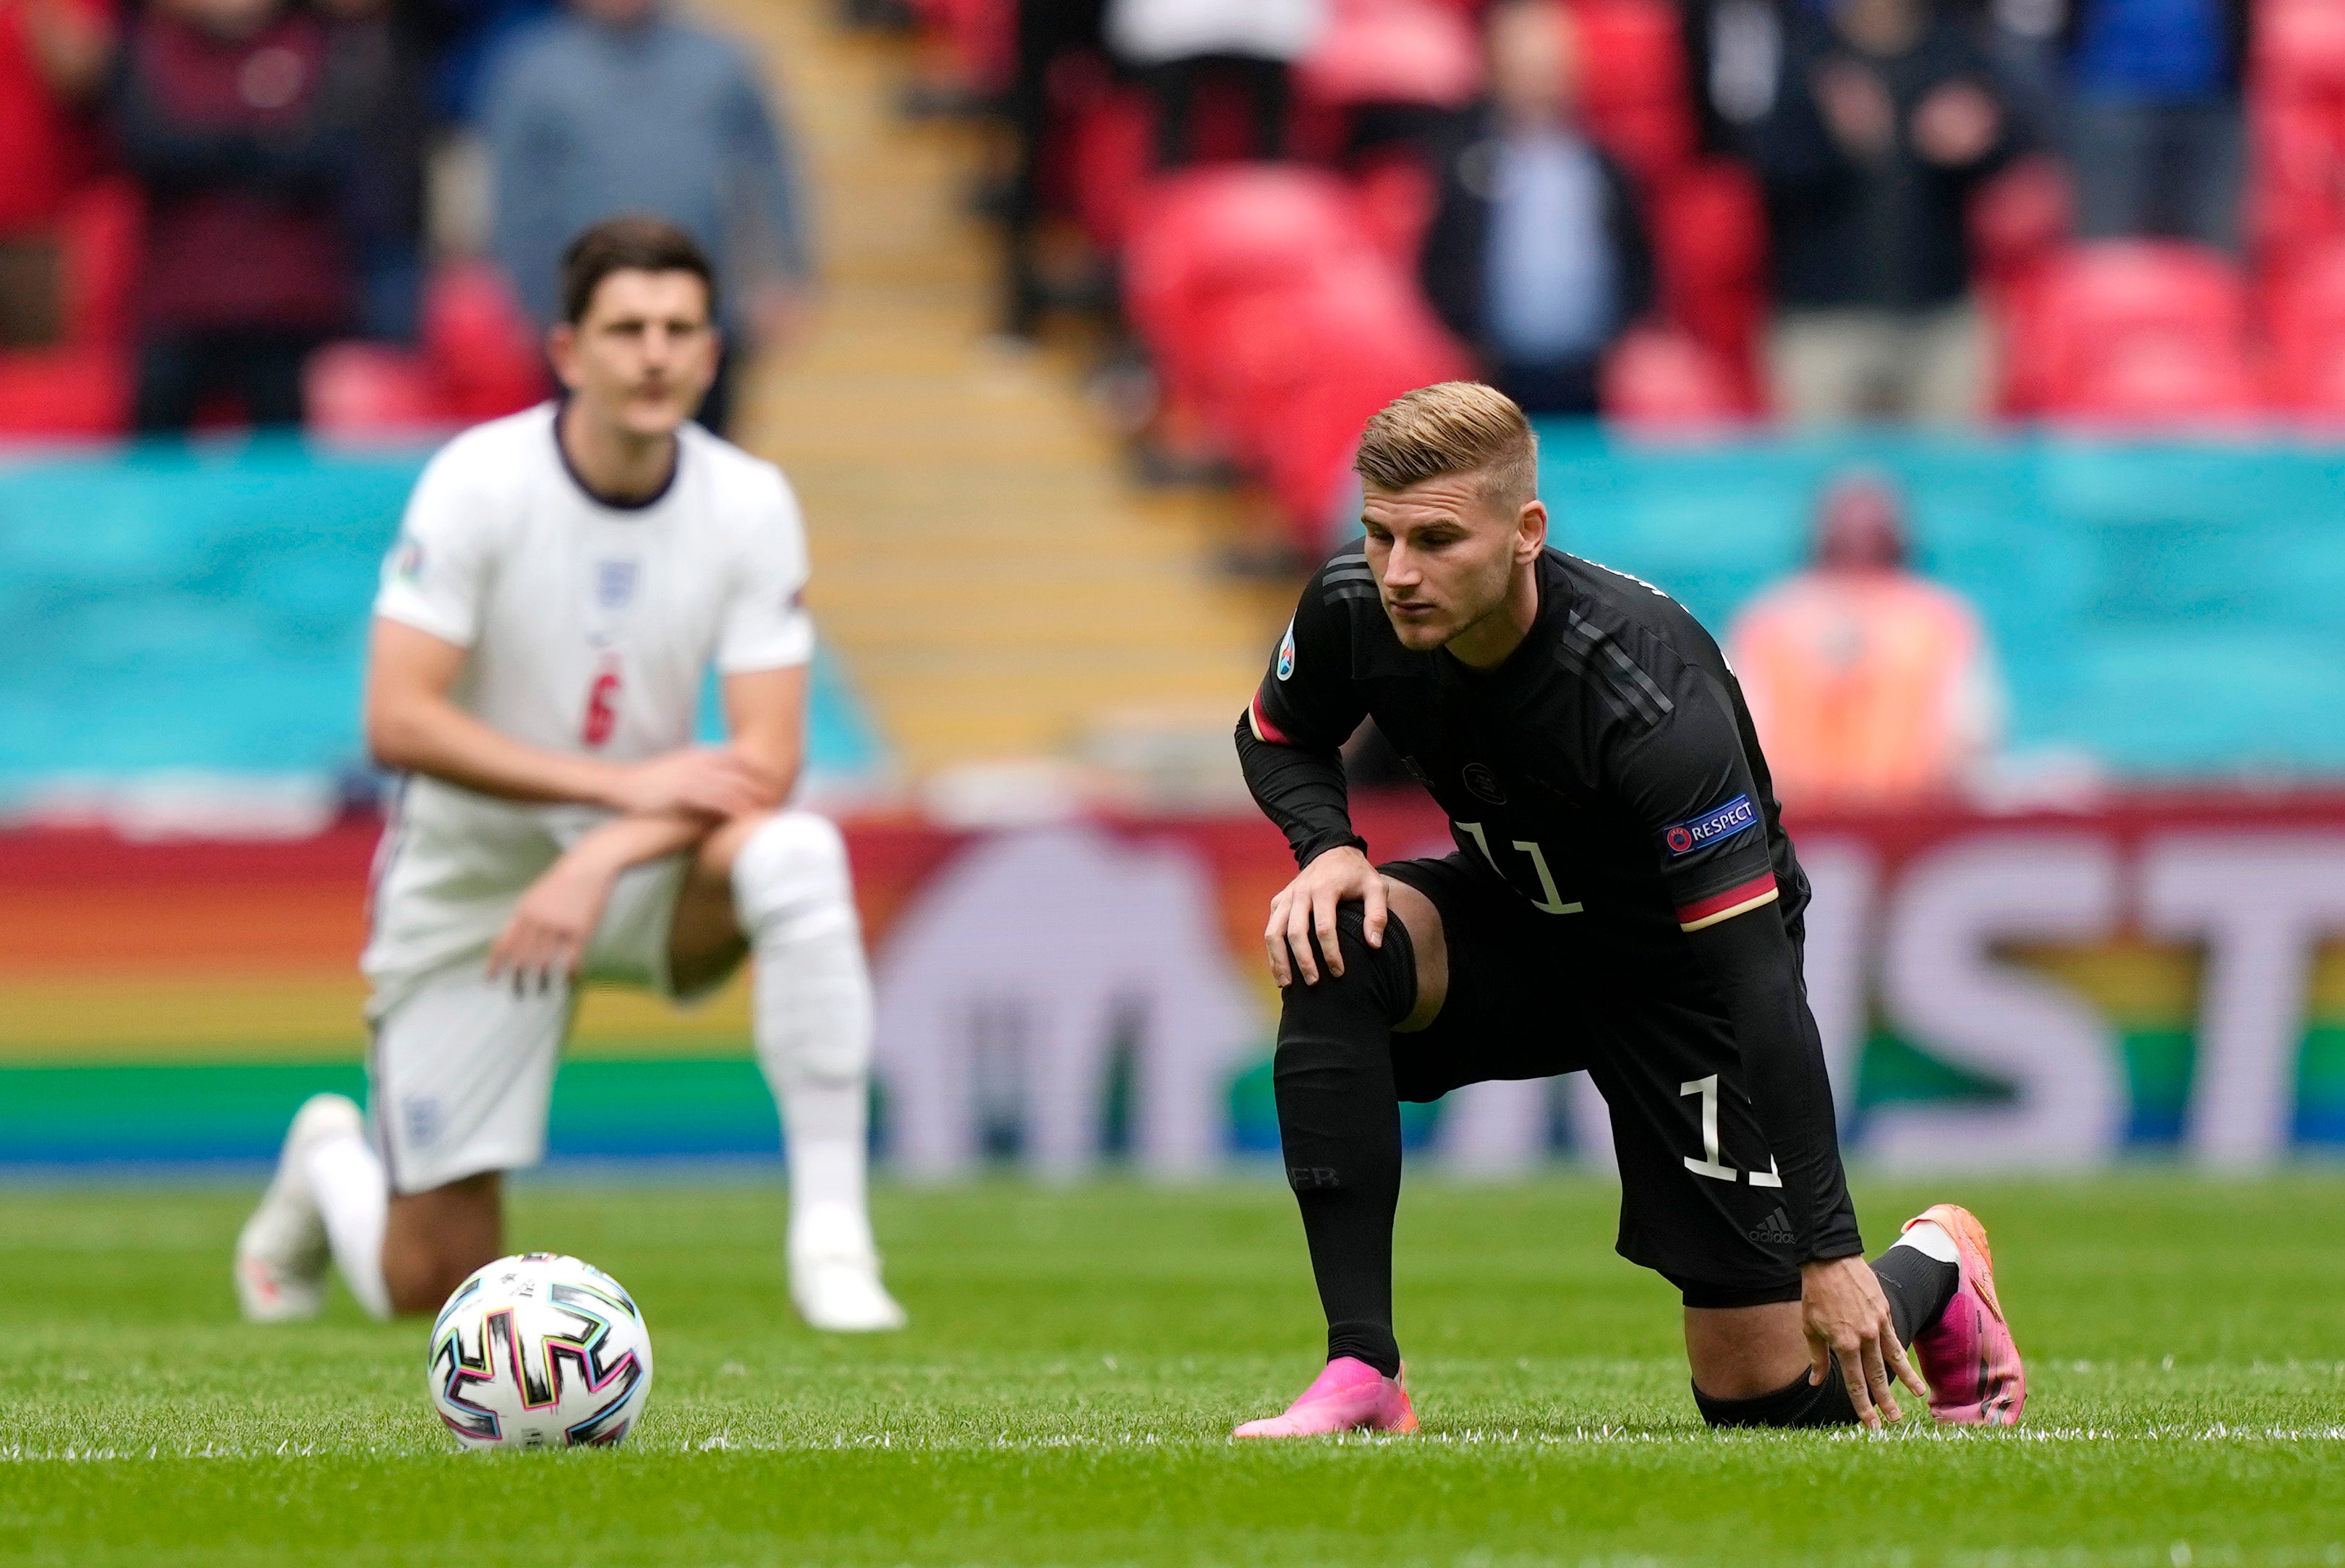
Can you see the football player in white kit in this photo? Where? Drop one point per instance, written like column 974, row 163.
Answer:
column 562, row 581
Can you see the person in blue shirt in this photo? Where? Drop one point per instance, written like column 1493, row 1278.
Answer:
column 615, row 106
column 1535, row 256
column 2156, row 131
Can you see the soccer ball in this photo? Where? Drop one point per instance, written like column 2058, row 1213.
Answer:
column 540, row 1350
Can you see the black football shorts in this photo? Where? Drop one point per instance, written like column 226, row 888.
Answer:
column 1532, row 994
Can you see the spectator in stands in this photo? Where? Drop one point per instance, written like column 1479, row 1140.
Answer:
column 1177, row 45
column 1048, row 32
column 226, row 112
column 377, row 64
column 53, row 59
column 2156, row 130
column 465, row 39
column 1535, row 255
column 1882, row 122
column 620, row 106
column 1867, row 682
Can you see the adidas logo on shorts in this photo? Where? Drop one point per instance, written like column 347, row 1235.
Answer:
column 1775, row 1231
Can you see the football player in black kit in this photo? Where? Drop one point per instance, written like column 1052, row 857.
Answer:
column 1622, row 900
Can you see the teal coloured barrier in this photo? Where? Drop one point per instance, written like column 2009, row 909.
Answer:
column 188, row 607
column 2171, row 608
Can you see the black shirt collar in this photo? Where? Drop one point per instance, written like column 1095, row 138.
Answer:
column 613, row 504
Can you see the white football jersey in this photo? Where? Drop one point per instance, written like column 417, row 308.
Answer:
column 590, row 629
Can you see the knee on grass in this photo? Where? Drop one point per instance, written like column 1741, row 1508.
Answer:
column 1797, row 1404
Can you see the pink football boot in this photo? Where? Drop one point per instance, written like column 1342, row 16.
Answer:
column 1967, row 1357
column 1349, row 1396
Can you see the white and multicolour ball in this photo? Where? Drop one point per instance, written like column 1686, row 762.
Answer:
column 540, row 1350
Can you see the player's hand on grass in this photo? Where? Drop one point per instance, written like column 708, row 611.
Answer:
column 1308, row 905
column 544, row 942
column 704, row 780
column 1846, row 1315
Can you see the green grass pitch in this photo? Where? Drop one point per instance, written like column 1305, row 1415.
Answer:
column 1078, row 1354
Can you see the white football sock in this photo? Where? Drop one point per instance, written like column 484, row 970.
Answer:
column 795, row 901
column 824, row 1133
column 1930, row 1239
column 346, row 1177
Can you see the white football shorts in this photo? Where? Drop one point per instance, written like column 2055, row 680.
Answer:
column 461, row 1073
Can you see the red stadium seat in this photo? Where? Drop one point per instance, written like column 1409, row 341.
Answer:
column 1108, row 158
column 1630, row 52
column 1319, row 427
column 2020, row 218
column 1631, row 84
column 1282, row 316
column 2092, row 305
column 1709, row 223
column 2296, row 197
column 1207, row 243
column 374, row 392
column 1651, row 140
column 2304, row 330
column 1710, row 235
column 1393, row 52
column 1397, row 198
column 2298, row 47
column 478, row 343
column 478, row 359
column 81, row 392
column 1287, row 374
column 101, row 232
column 979, row 38
column 1205, row 232
column 1659, row 379
column 2161, row 381
column 82, row 387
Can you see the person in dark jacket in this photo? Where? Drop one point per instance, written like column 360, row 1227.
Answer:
column 226, row 113
column 377, row 64
column 1885, row 118
column 1537, row 256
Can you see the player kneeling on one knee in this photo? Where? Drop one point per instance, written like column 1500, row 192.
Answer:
column 1621, row 900
column 563, row 581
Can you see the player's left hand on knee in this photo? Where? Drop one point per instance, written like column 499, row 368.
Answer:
column 544, row 942
column 1846, row 1315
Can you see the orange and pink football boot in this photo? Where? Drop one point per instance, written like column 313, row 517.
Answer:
column 1967, row 1356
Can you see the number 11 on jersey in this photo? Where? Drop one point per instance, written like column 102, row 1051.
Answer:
column 1549, row 899
column 1710, row 1164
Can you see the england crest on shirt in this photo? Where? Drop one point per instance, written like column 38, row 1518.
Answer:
column 614, row 584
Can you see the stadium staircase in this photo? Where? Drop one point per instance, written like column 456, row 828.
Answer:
column 994, row 586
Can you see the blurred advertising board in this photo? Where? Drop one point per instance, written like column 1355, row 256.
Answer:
column 2162, row 977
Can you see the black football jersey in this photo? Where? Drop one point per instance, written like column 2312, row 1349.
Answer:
column 1606, row 771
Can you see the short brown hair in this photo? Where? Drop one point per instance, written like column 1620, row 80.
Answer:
column 635, row 242
column 1452, row 427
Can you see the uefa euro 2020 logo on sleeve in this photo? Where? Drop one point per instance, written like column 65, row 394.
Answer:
column 1286, row 653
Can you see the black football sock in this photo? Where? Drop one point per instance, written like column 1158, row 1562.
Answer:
column 1339, row 1125
column 1796, row 1404
column 1918, row 1287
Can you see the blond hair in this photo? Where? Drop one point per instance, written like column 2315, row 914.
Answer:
column 1452, row 427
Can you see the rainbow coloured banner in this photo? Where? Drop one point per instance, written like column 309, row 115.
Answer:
column 2163, row 978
